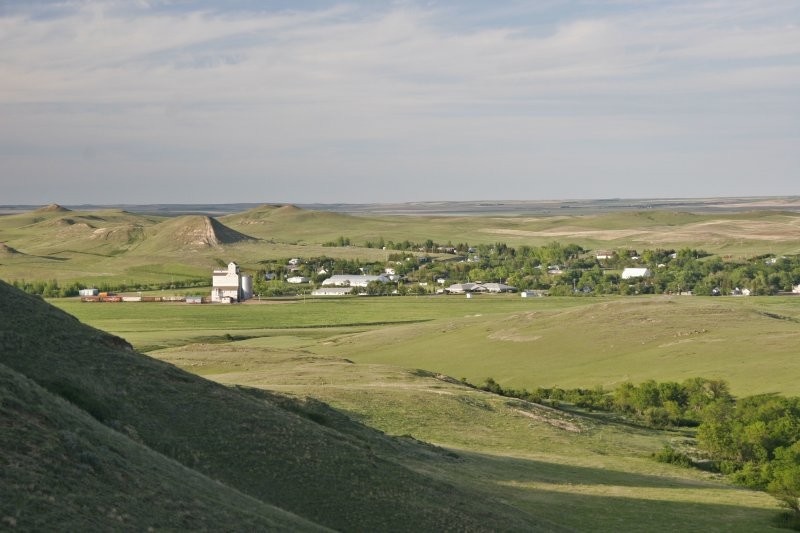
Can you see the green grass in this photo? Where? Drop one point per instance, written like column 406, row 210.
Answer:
column 298, row 455
column 574, row 471
column 515, row 465
column 566, row 342
column 603, row 343
column 64, row 471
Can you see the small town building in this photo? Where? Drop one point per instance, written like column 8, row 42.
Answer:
column 88, row 292
column 631, row 273
column 332, row 291
column 499, row 287
column 297, row 280
column 353, row 280
column 230, row 285
column 532, row 294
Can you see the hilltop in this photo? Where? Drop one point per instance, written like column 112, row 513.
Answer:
column 52, row 208
column 300, row 456
column 193, row 232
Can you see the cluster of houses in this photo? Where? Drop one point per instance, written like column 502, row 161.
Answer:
column 230, row 285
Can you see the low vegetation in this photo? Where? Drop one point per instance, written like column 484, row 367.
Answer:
column 755, row 440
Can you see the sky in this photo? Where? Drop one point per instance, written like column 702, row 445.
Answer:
column 123, row 102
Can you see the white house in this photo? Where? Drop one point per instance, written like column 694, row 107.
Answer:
column 332, row 291
column 461, row 288
column 229, row 285
column 604, row 254
column 796, row 289
column 532, row 294
column 499, row 287
column 353, row 280
column 630, row 273
column 298, row 279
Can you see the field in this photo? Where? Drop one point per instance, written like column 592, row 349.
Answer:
column 400, row 422
column 385, row 361
column 751, row 342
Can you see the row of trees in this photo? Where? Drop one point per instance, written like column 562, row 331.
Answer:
column 755, row 440
column 652, row 404
column 54, row 289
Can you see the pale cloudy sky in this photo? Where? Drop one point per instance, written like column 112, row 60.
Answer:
column 245, row 101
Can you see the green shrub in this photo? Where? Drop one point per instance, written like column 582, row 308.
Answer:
column 669, row 455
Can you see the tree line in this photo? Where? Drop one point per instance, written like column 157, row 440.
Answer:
column 754, row 440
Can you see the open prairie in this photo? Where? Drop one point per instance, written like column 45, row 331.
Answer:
column 542, row 342
column 583, row 473
column 122, row 247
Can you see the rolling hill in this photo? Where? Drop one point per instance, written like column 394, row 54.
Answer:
column 300, row 456
column 191, row 232
column 117, row 246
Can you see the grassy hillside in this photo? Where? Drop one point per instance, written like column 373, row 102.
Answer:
column 586, row 474
column 62, row 470
column 191, row 233
column 299, row 456
column 507, row 465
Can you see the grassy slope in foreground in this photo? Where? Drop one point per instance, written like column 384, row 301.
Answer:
column 62, row 470
column 304, row 458
column 580, row 472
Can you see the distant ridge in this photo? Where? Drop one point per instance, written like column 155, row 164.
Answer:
column 288, row 209
column 52, row 208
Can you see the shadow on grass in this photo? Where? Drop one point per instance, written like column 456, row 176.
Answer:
column 599, row 499
column 536, row 471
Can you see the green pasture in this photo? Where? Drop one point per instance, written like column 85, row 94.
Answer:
column 751, row 343
column 542, row 342
column 577, row 472
column 360, row 354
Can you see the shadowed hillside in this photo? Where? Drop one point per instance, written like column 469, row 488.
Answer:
column 65, row 471
column 300, row 456
column 7, row 250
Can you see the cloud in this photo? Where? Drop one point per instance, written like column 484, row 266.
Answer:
column 347, row 91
